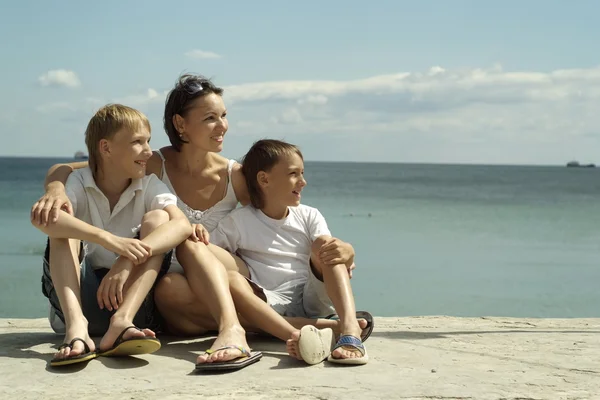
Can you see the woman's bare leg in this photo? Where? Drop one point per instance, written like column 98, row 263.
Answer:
column 207, row 301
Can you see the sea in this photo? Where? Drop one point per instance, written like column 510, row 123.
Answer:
column 430, row 239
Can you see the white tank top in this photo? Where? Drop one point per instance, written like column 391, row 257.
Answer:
column 209, row 218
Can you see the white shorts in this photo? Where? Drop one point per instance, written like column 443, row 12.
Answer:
column 308, row 300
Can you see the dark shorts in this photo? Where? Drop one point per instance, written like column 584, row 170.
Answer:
column 90, row 279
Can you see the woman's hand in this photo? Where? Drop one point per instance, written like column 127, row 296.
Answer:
column 199, row 234
column 47, row 208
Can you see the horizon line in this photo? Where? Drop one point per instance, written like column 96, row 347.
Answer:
column 460, row 163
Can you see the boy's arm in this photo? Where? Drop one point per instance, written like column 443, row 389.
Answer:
column 226, row 235
column 335, row 251
column 54, row 199
column 69, row 227
column 170, row 234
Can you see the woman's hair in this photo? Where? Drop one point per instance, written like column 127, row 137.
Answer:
column 107, row 121
column 262, row 156
column 179, row 100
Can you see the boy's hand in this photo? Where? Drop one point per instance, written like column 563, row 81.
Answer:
column 47, row 208
column 350, row 269
column 110, row 292
column 334, row 251
column 199, row 234
column 133, row 249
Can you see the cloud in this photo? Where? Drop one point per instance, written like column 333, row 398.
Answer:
column 60, row 77
column 201, row 54
column 486, row 115
column 149, row 96
column 289, row 116
column 437, row 85
column 318, row 99
column 50, row 108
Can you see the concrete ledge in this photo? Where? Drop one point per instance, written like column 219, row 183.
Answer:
column 411, row 358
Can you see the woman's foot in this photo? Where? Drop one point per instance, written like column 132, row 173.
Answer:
column 228, row 340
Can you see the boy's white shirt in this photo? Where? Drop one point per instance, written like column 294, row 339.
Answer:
column 91, row 205
column 277, row 252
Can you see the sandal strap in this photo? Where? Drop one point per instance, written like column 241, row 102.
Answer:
column 85, row 345
column 119, row 339
column 244, row 351
column 350, row 341
column 367, row 330
column 75, row 340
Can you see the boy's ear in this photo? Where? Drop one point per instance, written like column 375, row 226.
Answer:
column 263, row 178
column 104, row 147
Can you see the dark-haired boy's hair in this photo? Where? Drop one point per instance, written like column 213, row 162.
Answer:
column 262, row 156
column 179, row 100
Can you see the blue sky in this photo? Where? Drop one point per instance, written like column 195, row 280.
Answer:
column 397, row 81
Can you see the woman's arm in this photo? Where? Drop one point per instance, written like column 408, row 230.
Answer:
column 239, row 185
column 59, row 173
column 54, row 199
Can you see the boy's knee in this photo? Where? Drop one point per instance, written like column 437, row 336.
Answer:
column 58, row 242
column 316, row 246
column 236, row 280
column 152, row 220
column 63, row 244
column 168, row 288
column 315, row 260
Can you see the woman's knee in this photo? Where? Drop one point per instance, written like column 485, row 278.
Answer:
column 189, row 247
column 152, row 220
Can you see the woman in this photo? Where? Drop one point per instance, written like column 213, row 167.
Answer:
column 208, row 187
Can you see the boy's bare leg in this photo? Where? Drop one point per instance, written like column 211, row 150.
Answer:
column 339, row 290
column 65, row 274
column 136, row 288
column 234, row 263
column 231, row 262
column 320, row 323
column 207, row 280
column 260, row 315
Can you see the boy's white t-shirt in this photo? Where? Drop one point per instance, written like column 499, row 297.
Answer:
column 277, row 251
column 91, row 205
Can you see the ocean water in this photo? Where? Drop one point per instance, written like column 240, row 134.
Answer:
column 462, row 240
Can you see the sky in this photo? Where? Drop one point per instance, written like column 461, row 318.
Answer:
column 447, row 81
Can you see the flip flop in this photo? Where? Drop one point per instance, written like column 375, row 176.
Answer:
column 247, row 358
column 354, row 343
column 366, row 332
column 133, row 346
column 315, row 344
column 87, row 356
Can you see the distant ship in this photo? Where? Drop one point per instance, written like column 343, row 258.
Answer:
column 80, row 156
column 575, row 164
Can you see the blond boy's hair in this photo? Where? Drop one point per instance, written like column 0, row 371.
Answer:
column 105, row 123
